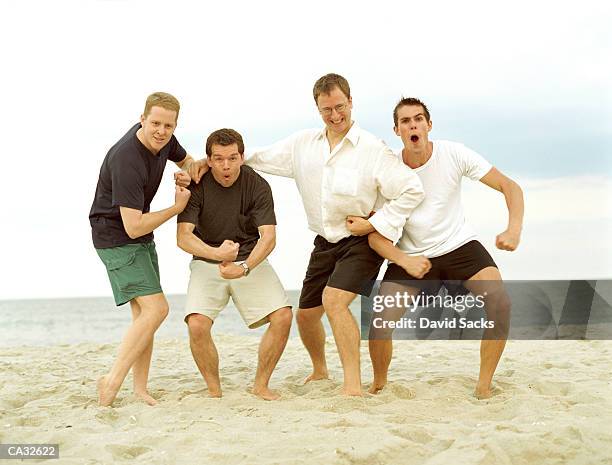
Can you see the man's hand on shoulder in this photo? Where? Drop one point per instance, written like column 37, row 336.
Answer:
column 181, row 197
column 508, row 240
column 182, row 178
column 359, row 226
column 228, row 251
column 197, row 169
column 229, row 270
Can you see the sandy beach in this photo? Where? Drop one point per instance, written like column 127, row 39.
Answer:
column 552, row 405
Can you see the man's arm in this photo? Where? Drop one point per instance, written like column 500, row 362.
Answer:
column 265, row 245
column 192, row 244
column 137, row 223
column 276, row 159
column 416, row 266
column 403, row 189
column 190, row 170
column 510, row 238
column 193, row 170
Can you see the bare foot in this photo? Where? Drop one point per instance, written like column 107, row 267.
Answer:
column 266, row 393
column 377, row 387
column 105, row 396
column 316, row 376
column 215, row 392
column 482, row 393
column 352, row 392
column 146, row 397
column 100, row 384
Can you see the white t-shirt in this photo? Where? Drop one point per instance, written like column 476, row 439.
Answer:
column 437, row 226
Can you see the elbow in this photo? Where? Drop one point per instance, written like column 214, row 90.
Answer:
column 373, row 239
column 270, row 243
column 132, row 233
column 180, row 241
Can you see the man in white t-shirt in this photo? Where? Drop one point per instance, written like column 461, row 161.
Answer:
column 437, row 230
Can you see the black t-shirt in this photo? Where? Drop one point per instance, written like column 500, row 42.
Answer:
column 129, row 177
column 230, row 213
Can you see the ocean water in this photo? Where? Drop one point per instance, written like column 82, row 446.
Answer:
column 97, row 319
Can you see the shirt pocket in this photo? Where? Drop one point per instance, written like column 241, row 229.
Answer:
column 345, row 181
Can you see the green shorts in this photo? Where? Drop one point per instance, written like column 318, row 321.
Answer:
column 132, row 269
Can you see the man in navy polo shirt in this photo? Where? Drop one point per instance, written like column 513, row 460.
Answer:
column 122, row 231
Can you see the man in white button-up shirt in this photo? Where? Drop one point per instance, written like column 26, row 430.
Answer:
column 339, row 172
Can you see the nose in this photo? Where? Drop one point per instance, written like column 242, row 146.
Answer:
column 226, row 164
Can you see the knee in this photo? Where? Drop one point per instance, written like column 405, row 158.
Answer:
column 307, row 317
column 333, row 303
column 282, row 318
column 199, row 328
column 500, row 312
column 157, row 313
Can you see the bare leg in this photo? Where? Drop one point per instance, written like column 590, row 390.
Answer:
column 346, row 334
column 487, row 282
column 312, row 334
column 381, row 340
column 140, row 369
column 204, row 351
column 381, row 352
column 154, row 309
column 271, row 348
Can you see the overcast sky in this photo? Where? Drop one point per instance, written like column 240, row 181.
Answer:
column 526, row 84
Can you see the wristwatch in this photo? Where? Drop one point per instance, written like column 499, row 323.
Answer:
column 246, row 268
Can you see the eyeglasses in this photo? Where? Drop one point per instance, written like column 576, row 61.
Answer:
column 340, row 108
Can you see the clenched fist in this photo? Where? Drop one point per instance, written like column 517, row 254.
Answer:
column 229, row 270
column 228, row 251
column 507, row 240
column 181, row 197
column 416, row 266
column 182, row 178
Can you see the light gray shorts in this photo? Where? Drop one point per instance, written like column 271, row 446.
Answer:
column 255, row 296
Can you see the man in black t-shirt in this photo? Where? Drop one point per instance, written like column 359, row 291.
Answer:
column 122, row 231
column 229, row 228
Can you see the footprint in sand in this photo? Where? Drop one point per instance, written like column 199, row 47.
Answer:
column 400, row 391
column 122, row 452
column 108, row 416
column 418, row 435
column 552, row 388
column 343, row 423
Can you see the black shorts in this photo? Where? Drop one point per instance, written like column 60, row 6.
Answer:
column 350, row 265
column 450, row 269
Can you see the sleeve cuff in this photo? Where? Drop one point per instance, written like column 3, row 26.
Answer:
column 393, row 233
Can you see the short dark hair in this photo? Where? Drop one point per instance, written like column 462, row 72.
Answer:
column 409, row 101
column 224, row 137
column 327, row 83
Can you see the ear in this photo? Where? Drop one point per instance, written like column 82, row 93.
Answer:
column 396, row 130
column 142, row 119
column 242, row 158
column 430, row 126
column 208, row 161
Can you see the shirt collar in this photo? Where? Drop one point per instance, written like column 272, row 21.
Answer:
column 352, row 135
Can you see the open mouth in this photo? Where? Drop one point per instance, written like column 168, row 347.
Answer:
column 414, row 138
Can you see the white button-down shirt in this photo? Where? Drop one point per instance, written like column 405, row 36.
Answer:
column 344, row 181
